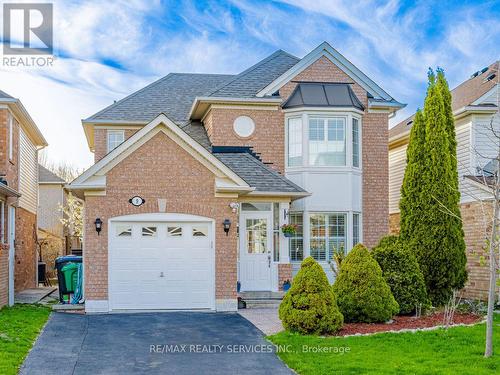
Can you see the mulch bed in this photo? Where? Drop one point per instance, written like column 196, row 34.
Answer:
column 406, row 322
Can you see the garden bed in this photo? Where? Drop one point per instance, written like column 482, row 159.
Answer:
column 406, row 323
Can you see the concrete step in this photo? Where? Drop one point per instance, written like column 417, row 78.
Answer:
column 262, row 303
column 261, row 295
column 68, row 307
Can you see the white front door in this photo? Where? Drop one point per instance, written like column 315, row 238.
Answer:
column 255, row 251
column 12, row 252
column 161, row 265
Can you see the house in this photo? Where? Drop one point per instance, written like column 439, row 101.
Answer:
column 20, row 141
column 475, row 108
column 195, row 174
column 51, row 232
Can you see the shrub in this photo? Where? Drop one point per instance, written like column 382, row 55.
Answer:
column 362, row 293
column 401, row 271
column 309, row 306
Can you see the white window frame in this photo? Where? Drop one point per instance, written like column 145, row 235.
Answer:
column 109, row 146
column 359, row 142
column 360, row 228
column 296, row 237
column 2, row 221
column 11, row 136
column 326, row 141
column 306, row 114
column 288, row 141
column 347, row 239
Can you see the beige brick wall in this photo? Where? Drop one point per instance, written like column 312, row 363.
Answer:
column 268, row 138
column 101, row 142
column 166, row 171
column 476, row 229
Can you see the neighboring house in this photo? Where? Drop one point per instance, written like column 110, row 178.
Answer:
column 195, row 174
column 475, row 107
column 20, row 141
column 51, row 232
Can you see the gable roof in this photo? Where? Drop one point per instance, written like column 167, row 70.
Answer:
column 4, row 95
column 325, row 49
column 48, row 177
column 314, row 94
column 172, row 95
column 465, row 94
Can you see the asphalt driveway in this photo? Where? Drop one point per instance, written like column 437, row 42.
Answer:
column 151, row 343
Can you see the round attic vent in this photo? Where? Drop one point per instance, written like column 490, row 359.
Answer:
column 243, row 126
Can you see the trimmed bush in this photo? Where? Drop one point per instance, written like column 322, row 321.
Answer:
column 362, row 292
column 401, row 271
column 309, row 306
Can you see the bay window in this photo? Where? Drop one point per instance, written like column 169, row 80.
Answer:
column 296, row 242
column 327, row 235
column 327, row 142
column 295, row 142
column 355, row 142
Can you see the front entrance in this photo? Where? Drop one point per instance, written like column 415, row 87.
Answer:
column 255, row 251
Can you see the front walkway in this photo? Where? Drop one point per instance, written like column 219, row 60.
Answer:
column 151, row 343
column 264, row 319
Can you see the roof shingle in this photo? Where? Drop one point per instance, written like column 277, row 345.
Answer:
column 44, row 175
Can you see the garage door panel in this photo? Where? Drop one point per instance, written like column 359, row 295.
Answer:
column 161, row 266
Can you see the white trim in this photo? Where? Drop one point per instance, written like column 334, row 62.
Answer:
column 326, row 50
column 161, row 217
column 322, row 110
column 163, row 123
column 96, row 306
column 210, row 100
column 25, row 121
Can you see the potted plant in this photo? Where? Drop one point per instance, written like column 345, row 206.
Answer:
column 289, row 230
column 286, row 285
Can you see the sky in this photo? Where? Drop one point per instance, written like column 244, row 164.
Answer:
column 106, row 50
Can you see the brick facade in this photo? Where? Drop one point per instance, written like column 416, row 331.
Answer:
column 4, row 274
column 26, row 250
column 268, row 139
column 168, row 172
column 477, row 226
column 101, row 142
column 375, row 159
column 284, row 274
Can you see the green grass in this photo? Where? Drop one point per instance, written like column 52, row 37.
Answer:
column 455, row 351
column 19, row 327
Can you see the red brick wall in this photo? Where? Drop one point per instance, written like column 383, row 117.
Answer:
column 284, row 274
column 9, row 167
column 4, row 274
column 26, row 250
column 166, row 171
column 101, row 142
column 268, row 138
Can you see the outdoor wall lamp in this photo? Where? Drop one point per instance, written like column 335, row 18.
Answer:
column 227, row 224
column 98, row 225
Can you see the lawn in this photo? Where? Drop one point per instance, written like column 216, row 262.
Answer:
column 19, row 327
column 458, row 350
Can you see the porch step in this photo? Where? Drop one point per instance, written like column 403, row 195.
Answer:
column 262, row 300
column 261, row 295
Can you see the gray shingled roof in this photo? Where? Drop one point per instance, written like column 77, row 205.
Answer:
column 197, row 131
column 249, row 82
column 257, row 174
column 316, row 94
column 44, row 175
column 4, row 95
column 173, row 95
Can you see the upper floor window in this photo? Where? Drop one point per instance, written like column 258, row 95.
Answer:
column 327, row 138
column 355, row 142
column 11, row 137
column 115, row 139
column 295, row 142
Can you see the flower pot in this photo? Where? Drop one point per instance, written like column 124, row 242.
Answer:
column 286, row 286
column 288, row 234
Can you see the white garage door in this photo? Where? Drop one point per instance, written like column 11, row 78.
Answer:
column 165, row 265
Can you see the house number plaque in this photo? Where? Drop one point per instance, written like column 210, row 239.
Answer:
column 137, row 201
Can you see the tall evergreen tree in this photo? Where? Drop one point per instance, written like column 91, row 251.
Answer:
column 430, row 216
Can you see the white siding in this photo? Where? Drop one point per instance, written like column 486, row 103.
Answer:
column 397, row 165
column 28, row 174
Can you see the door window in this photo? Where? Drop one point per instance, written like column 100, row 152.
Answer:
column 256, row 236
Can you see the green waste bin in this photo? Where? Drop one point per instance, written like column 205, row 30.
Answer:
column 70, row 272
